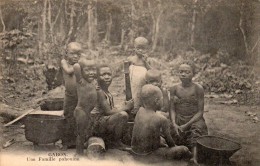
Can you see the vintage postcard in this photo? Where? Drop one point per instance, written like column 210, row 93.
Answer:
column 129, row 82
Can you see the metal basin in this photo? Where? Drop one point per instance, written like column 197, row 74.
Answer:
column 216, row 150
column 43, row 129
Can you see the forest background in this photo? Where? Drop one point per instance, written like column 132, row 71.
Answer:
column 221, row 37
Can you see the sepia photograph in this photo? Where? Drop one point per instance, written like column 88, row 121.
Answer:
column 129, row 82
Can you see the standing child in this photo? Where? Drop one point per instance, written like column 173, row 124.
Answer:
column 187, row 108
column 154, row 77
column 148, row 126
column 87, row 99
column 138, row 69
column 71, row 99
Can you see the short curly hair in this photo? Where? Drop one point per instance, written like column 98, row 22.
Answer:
column 140, row 41
column 191, row 64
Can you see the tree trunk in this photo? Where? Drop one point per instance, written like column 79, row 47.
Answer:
column 154, row 21
column 90, row 26
column 132, row 33
column 242, row 28
column 193, row 23
column 63, row 22
column 122, row 39
column 72, row 14
column 109, row 27
column 44, row 22
column 2, row 21
column 95, row 31
column 39, row 40
column 157, row 30
column 49, row 20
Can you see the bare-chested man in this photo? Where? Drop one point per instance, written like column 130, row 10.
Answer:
column 187, row 108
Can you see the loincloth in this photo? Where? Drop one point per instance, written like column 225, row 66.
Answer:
column 189, row 137
column 99, row 124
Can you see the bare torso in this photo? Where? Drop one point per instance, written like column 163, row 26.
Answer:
column 146, row 132
column 69, row 78
column 70, row 84
column 87, row 96
column 185, row 101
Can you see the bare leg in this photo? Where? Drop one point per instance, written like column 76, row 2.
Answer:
column 116, row 125
column 194, row 158
column 176, row 152
column 82, row 126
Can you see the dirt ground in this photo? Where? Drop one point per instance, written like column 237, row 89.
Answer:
column 229, row 121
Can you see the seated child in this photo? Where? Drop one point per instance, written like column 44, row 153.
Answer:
column 147, row 127
column 187, row 108
column 71, row 98
column 87, row 99
column 109, row 121
column 138, row 68
column 154, row 77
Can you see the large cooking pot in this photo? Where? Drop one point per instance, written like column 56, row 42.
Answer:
column 43, row 129
column 216, row 150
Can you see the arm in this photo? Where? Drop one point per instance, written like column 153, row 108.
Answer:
column 166, row 131
column 130, row 59
column 66, row 67
column 166, row 100
column 172, row 109
column 77, row 71
column 172, row 105
column 146, row 64
column 104, row 106
column 127, row 106
column 199, row 114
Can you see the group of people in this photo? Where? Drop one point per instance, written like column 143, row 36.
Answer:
column 166, row 122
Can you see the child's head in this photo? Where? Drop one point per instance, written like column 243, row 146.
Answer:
column 88, row 69
column 141, row 46
column 104, row 75
column 186, row 71
column 153, row 77
column 74, row 50
column 152, row 97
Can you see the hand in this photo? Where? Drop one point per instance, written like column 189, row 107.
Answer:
column 175, row 99
column 145, row 56
column 129, row 105
column 183, row 128
column 81, row 81
column 176, row 128
column 134, row 111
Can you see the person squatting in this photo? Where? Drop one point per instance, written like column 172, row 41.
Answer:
column 174, row 115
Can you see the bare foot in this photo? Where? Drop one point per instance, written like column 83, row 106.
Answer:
column 193, row 162
column 118, row 145
column 64, row 147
